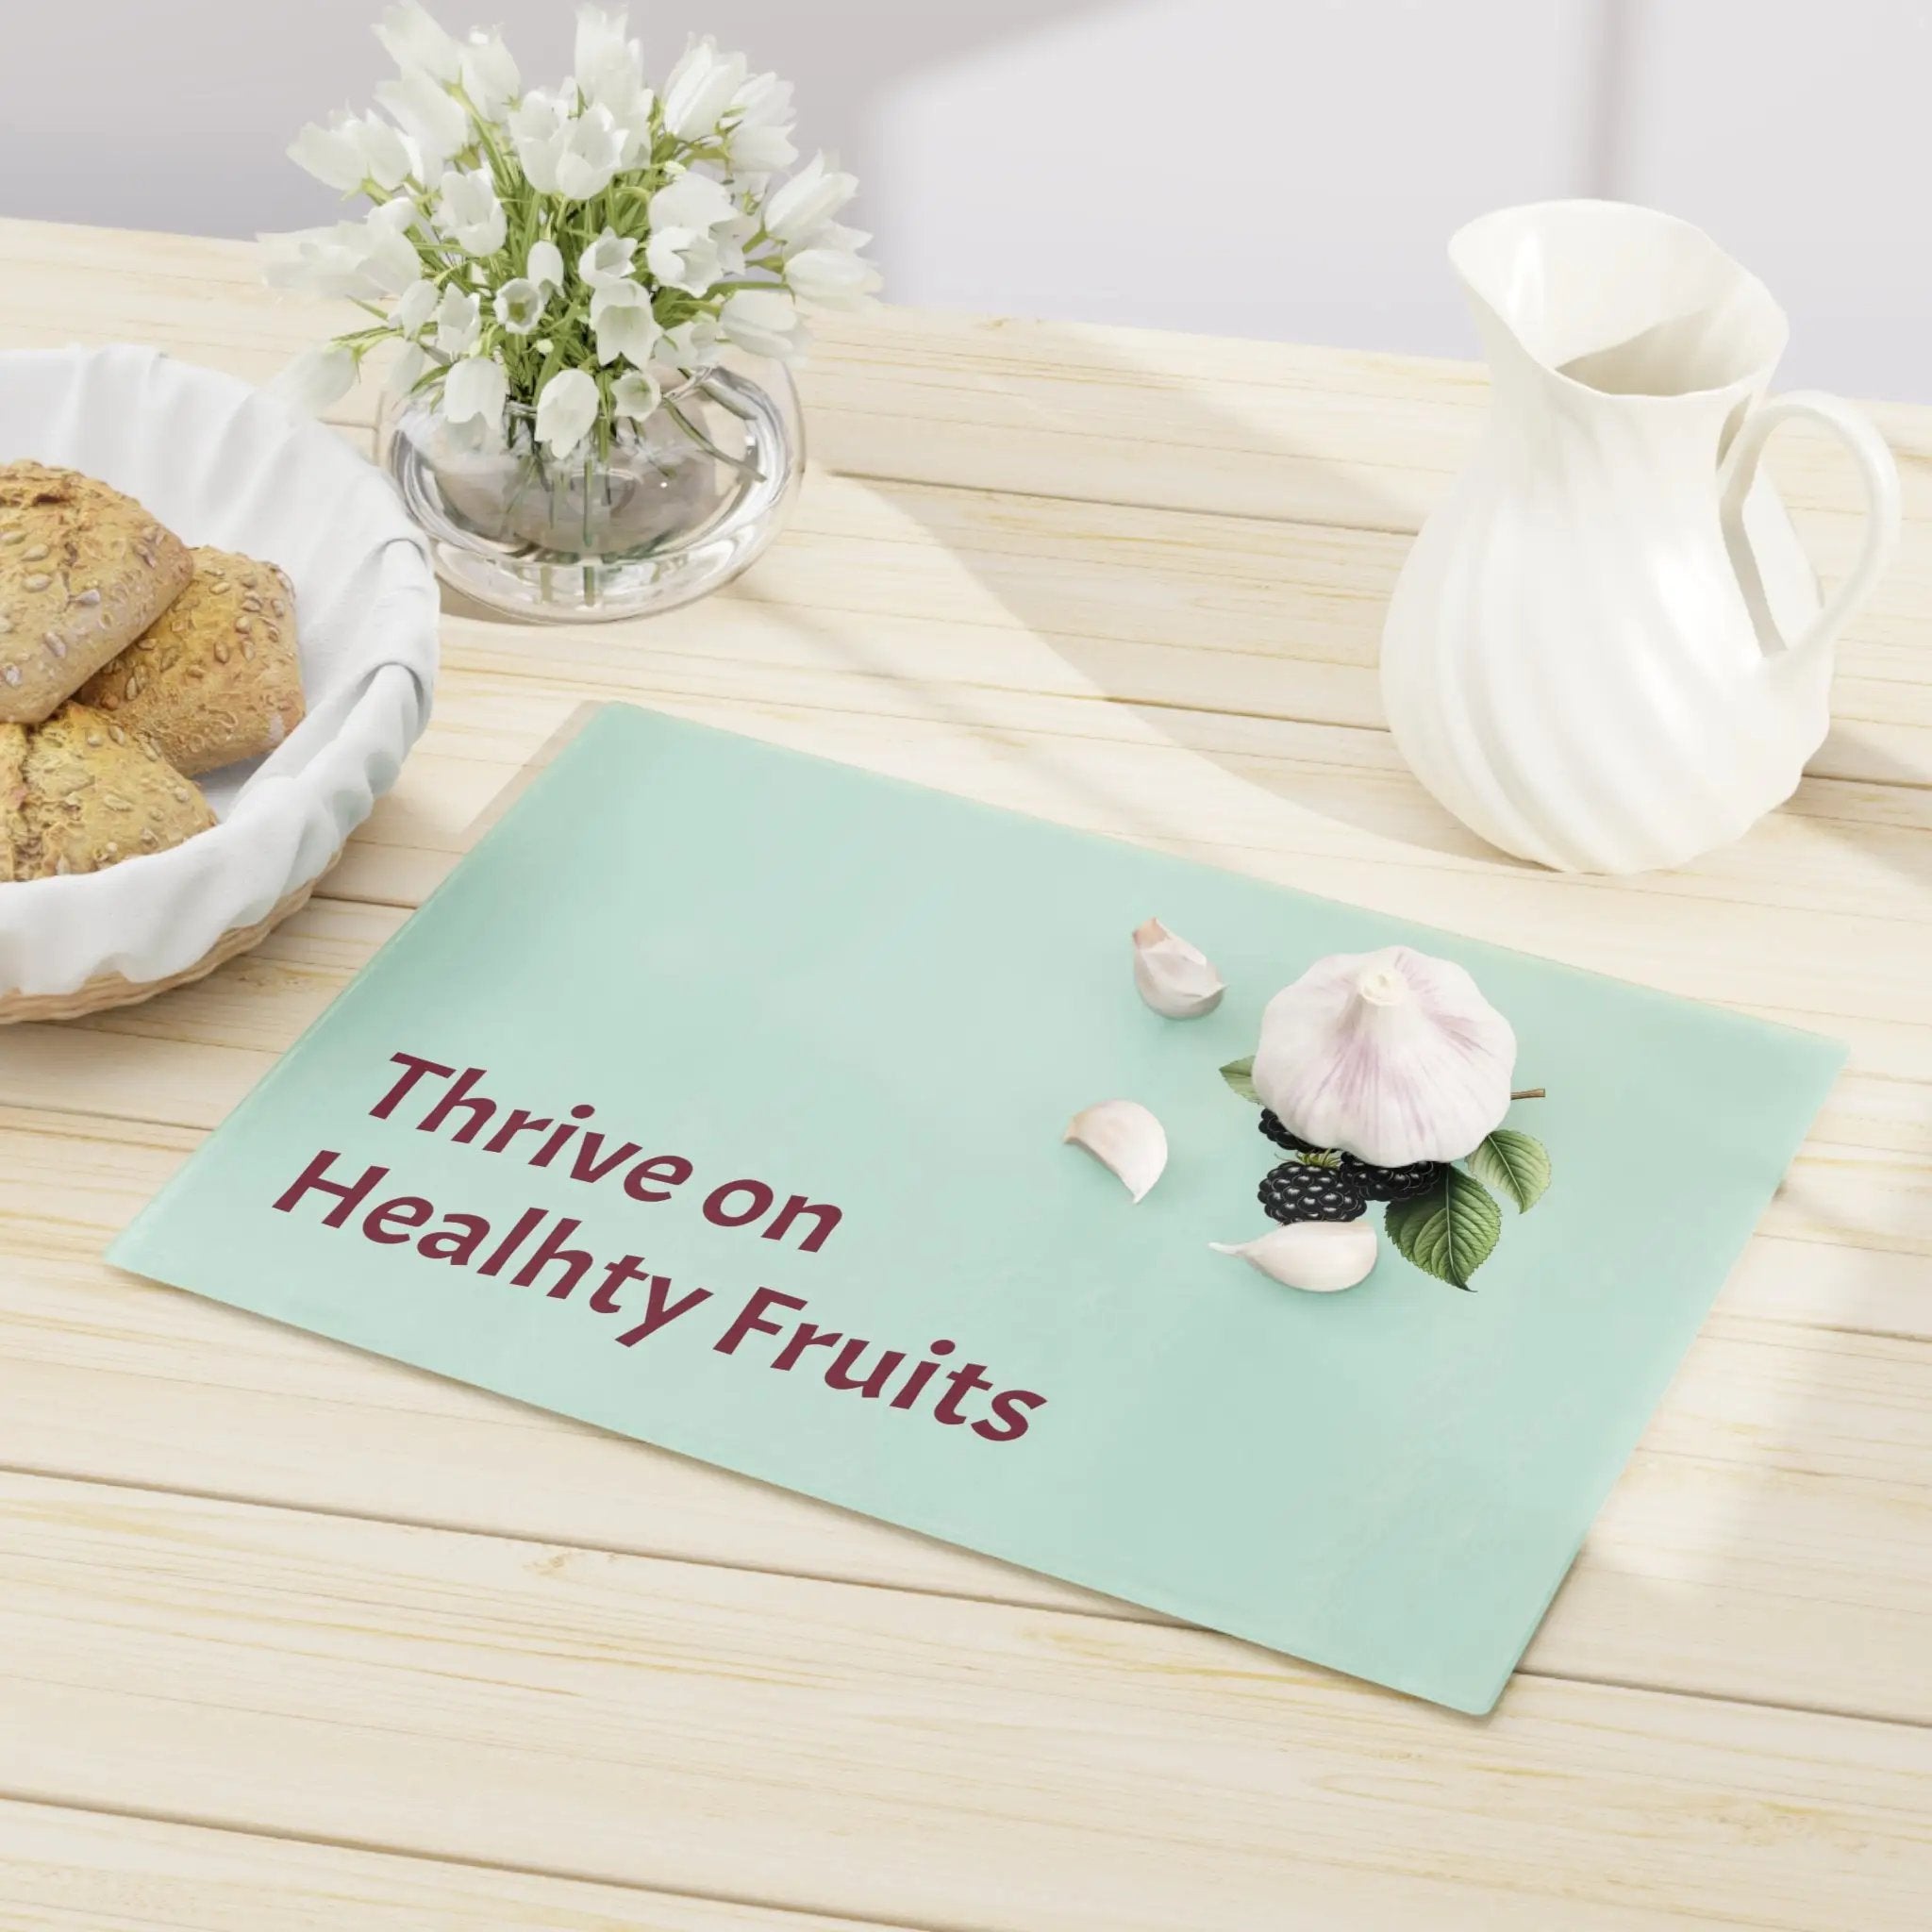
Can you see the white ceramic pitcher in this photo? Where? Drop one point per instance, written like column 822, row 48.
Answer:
column 1607, row 651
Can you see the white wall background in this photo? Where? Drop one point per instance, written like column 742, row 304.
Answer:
column 1282, row 168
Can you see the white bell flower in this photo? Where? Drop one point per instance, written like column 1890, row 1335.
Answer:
column 836, row 235
column 610, row 74
column 489, row 72
column 329, row 155
column 537, row 125
column 520, row 305
column 545, row 265
column 622, row 320
column 608, row 259
column 316, row 378
column 356, row 259
column 758, row 126
column 600, row 40
column 350, row 151
column 457, row 319
column 686, row 258
column 831, row 278
column 322, row 261
column 800, row 207
column 416, row 43
column 589, row 151
column 418, row 303
column 406, row 370
column 566, row 409
column 387, row 157
column 434, row 119
column 763, row 321
column 687, row 249
column 470, row 214
column 702, row 85
column 474, row 391
column 636, row 394
column 692, row 345
column 396, row 216
column 691, row 201
column 391, row 260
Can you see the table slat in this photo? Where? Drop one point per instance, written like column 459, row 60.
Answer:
column 916, row 1758
column 1074, row 409
column 66, row 1871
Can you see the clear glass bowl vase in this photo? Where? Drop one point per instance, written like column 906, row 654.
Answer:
column 673, row 506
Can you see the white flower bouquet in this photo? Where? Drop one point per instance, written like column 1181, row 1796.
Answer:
column 575, row 256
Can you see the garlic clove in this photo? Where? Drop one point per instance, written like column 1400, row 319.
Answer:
column 1318, row 1256
column 1122, row 1135
column 1393, row 1056
column 1175, row 978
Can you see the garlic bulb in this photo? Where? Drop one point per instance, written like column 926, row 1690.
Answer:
column 1123, row 1136
column 1318, row 1256
column 1393, row 1056
column 1175, row 978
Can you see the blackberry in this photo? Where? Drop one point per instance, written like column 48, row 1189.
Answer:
column 1392, row 1183
column 1272, row 1126
column 1296, row 1190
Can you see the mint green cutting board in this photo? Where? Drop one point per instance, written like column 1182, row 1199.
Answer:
column 889, row 1001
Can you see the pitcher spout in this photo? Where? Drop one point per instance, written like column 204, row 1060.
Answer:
column 1617, row 301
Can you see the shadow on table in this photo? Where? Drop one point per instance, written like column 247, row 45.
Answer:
column 1190, row 626
column 1255, row 644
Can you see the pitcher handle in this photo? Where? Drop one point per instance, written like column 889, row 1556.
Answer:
column 1879, row 474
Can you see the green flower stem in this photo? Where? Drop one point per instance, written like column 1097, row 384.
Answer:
column 710, row 448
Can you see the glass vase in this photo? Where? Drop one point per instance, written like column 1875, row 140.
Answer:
column 666, row 511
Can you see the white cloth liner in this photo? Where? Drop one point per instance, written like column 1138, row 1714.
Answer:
column 221, row 464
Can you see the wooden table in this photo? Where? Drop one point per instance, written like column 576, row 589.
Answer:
column 295, row 1638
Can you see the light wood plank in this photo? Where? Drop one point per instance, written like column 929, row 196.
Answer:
column 1216, row 593
column 1838, row 846
column 705, row 1730
column 1023, row 698
column 1082, row 410
column 201, row 300
column 65, row 1870
column 1772, row 1538
column 975, row 599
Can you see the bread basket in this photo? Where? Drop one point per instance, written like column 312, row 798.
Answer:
column 221, row 464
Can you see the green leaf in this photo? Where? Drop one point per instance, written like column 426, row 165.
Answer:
column 1240, row 1075
column 1514, row 1164
column 1450, row 1231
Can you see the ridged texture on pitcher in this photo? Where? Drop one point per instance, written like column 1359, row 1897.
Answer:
column 1570, row 662
column 1581, row 685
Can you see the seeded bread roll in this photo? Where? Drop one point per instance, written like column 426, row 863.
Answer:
column 216, row 676
column 83, row 572
column 78, row 793
column 12, row 801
